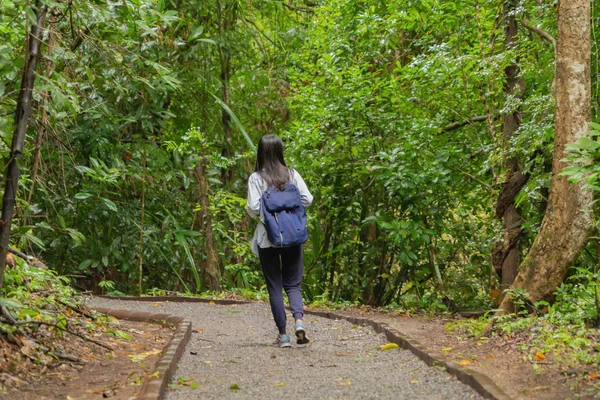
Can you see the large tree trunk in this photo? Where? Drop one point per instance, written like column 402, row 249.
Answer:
column 211, row 265
column 507, row 259
column 18, row 140
column 567, row 222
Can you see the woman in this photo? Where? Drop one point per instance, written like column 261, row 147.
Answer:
column 282, row 266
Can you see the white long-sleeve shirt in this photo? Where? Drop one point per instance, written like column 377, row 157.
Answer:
column 256, row 187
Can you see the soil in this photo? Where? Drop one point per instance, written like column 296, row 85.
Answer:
column 99, row 373
column 497, row 357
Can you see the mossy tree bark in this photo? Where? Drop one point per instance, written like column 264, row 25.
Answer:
column 567, row 222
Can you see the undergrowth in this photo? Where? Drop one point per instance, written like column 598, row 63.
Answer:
column 565, row 332
column 44, row 323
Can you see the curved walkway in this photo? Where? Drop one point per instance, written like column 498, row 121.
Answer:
column 231, row 358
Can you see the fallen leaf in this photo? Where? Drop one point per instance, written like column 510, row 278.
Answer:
column 347, row 383
column 389, row 346
column 593, row 375
column 414, row 381
column 344, row 354
column 212, row 302
column 139, row 357
column 447, row 349
column 199, row 330
column 464, row 362
column 539, row 356
column 234, row 386
column 489, row 357
column 27, row 342
column 280, row 384
column 155, row 304
column 193, row 385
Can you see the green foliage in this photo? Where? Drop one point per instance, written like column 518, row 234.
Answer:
column 33, row 294
column 365, row 95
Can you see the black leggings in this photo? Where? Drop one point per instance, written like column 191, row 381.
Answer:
column 283, row 268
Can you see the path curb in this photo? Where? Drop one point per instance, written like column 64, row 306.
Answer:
column 481, row 383
column 155, row 385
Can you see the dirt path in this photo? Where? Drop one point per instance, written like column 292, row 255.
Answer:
column 231, row 357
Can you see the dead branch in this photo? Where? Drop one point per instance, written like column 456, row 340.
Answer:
column 34, row 262
column 83, row 337
column 64, row 356
column 77, row 310
column 7, row 315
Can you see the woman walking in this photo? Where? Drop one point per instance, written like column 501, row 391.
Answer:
column 282, row 266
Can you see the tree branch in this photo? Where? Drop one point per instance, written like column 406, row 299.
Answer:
column 541, row 32
column 21, row 323
column 34, row 262
column 456, row 125
column 301, row 9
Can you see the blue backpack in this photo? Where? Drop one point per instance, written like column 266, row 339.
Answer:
column 285, row 217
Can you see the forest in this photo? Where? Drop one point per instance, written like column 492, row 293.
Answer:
column 450, row 146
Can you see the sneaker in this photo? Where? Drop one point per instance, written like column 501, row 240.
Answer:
column 283, row 341
column 301, row 333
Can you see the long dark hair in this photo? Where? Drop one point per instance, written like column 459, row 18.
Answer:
column 270, row 163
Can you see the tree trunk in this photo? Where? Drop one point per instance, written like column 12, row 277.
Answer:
column 211, row 265
column 41, row 133
column 225, row 23
column 567, row 222
column 507, row 260
column 21, row 119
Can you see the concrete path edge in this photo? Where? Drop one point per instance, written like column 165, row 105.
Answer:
column 154, row 386
column 481, row 383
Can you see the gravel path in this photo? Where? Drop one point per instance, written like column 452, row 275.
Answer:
column 342, row 361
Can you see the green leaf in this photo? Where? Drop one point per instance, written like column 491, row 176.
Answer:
column 85, row 264
column 29, row 312
column 111, row 206
column 83, row 195
column 10, row 303
column 594, row 126
column 235, row 120
column 196, row 32
column 78, row 237
column 209, row 41
column 61, row 322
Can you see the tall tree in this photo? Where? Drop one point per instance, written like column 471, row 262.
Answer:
column 210, row 267
column 506, row 258
column 22, row 113
column 567, row 222
column 226, row 18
